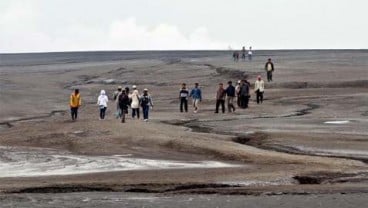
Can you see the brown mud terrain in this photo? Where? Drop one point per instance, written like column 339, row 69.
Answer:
column 308, row 137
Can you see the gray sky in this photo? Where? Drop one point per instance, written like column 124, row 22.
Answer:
column 69, row 25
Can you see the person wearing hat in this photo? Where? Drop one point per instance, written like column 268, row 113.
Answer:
column 135, row 101
column 259, row 89
column 146, row 103
column 75, row 102
column 116, row 99
column 124, row 102
column 230, row 93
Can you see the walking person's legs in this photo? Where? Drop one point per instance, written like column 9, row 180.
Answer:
column 242, row 103
column 133, row 112
column 104, row 112
column 181, row 104
column 76, row 113
column 118, row 112
column 232, row 103
column 186, row 105
column 261, row 96
column 138, row 113
column 222, row 102
column 258, row 96
column 195, row 105
column 217, row 106
column 123, row 115
column 72, row 112
column 145, row 110
column 228, row 104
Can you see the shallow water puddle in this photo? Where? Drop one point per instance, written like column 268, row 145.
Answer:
column 24, row 162
column 336, row 122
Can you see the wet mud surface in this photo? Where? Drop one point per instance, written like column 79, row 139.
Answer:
column 308, row 137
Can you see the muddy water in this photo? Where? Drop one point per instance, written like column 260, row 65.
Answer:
column 24, row 162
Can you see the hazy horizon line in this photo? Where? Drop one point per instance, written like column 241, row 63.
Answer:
column 188, row 50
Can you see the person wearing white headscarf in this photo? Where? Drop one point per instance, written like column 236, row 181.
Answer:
column 135, row 98
column 102, row 103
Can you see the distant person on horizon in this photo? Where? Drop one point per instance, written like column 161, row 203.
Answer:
column 124, row 102
column 75, row 102
column 220, row 98
column 230, row 93
column 146, row 103
column 250, row 53
column 183, row 97
column 116, row 99
column 259, row 89
column 102, row 101
column 243, row 53
column 236, row 56
column 196, row 95
column 269, row 67
column 135, row 101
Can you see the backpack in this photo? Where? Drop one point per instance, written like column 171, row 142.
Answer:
column 145, row 100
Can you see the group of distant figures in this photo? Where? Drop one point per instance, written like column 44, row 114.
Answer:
column 124, row 99
column 245, row 54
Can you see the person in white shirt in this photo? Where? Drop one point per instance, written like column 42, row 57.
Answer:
column 250, row 53
column 102, row 104
column 136, row 99
column 259, row 89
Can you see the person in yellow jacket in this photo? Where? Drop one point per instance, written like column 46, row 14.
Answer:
column 75, row 102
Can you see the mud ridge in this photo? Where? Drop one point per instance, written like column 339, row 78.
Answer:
column 331, row 178
column 64, row 189
column 303, row 85
column 9, row 124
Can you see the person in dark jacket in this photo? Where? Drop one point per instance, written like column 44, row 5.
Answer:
column 123, row 104
column 220, row 98
column 146, row 103
column 269, row 67
column 230, row 93
column 244, row 94
column 183, row 97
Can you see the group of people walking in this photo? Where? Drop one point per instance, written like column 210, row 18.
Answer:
column 124, row 99
column 241, row 92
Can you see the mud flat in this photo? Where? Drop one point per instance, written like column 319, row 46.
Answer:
column 309, row 137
